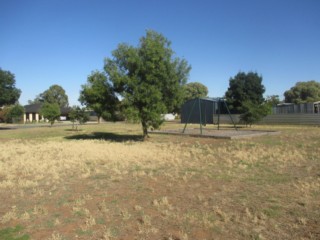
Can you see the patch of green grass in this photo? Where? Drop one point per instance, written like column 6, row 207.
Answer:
column 117, row 132
column 272, row 211
column 315, row 194
column 101, row 221
column 100, row 176
column 278, row 178
column 114, row 231
column 84, row 232
column 64, row 200
column 56, row 215
column 50, row 223
column 268, row 176
column 115, row 201
column 80, row 213
column 270, row 141
column 33, row 133
column 220, row 176
column 255, row 237
column 13, row 233
column 216, row 229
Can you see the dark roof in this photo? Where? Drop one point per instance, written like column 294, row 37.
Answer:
column 35, row 108
column 210, row 99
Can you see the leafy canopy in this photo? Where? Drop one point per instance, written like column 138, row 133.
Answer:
column 9, row 94
column 98, row 95
column 303, row 92
column 14, row 114
column 194, row 90
column 253, row 113
column 50, row 111
column 148, row 78
column 271, row 101
column 55, row 94
column 244, row 87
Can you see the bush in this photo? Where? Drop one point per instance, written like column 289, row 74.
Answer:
column 12, row 114
column 78, row 114
column 253, row 113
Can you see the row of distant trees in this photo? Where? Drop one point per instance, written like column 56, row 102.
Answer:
column 150, row 80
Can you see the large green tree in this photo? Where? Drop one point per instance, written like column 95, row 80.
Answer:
column 244, row 87
column 149, row 78
column 194, row 90
column 55, row 94
column 303, row 92
column 99, row 95
column 9, row 94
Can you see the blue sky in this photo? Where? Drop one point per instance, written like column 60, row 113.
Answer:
column 46, row 42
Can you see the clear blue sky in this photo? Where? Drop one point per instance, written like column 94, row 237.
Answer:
column 46, row 42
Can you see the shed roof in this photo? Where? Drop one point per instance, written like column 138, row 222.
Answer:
column 212, row 99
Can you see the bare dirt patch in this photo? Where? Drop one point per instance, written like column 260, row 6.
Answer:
column 104, row 186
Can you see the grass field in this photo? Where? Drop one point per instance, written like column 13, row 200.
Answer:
column 103, row 182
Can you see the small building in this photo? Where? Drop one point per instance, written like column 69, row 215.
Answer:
column 199, row 110
column 291, row 108
column 32, row 113
column 290, row 113
column 203, row 110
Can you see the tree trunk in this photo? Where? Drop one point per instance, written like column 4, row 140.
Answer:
column 99, row 119
column 145, row 130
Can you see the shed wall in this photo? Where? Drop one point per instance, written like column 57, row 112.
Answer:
column 190, row 111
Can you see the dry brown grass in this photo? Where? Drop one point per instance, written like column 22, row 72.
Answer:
column 168, row 187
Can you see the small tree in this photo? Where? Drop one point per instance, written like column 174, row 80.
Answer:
column 271, row 101
column 78, row 114
column 50, row 111
column 83, row 116
column 73, row 115
column 253, row 113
